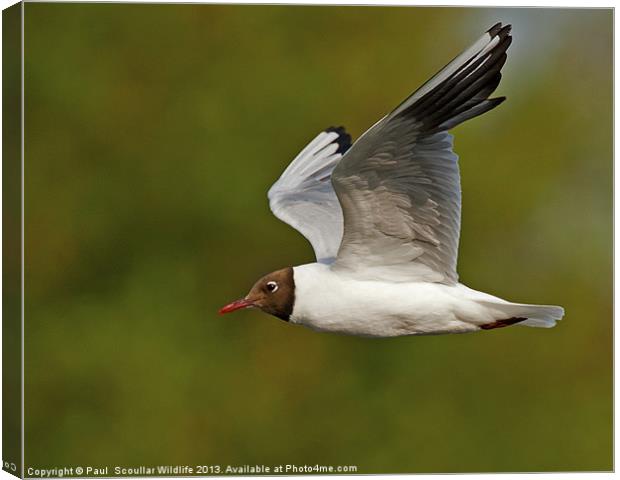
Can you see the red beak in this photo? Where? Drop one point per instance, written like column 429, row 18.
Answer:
column 236, row 305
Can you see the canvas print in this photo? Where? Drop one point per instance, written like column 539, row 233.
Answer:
column 284, row 239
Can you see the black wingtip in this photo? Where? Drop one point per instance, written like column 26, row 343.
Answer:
column 504, row 32
column 494, row 29
column 343, row 140
column 499, row 30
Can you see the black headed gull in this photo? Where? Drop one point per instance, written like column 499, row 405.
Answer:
column 383, row 216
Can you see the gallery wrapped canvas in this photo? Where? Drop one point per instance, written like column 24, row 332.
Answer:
column 140, row 142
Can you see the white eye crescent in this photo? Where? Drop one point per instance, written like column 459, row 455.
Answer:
column 272, row 287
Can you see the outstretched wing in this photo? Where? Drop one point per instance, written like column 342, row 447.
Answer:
column 399, row 185
column 304, row 197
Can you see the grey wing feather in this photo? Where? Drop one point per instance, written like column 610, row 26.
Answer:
column 304, row 197
column 399, row 185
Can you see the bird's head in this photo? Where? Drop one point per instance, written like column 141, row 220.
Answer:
column 273, row 294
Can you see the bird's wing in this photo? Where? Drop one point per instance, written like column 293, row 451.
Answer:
column 304, row 197
column 399, row 185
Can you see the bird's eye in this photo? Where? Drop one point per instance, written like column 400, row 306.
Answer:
column 272, row 286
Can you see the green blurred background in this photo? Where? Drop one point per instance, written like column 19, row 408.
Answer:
column 152, row 135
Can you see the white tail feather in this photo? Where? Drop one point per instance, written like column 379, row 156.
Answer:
column 543, row 316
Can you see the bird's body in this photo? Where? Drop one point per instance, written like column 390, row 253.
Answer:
column 383, row 216
column 377, row 308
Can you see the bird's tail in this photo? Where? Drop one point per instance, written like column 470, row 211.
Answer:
column 544, row 316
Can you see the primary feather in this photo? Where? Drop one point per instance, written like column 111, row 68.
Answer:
column 399, row 185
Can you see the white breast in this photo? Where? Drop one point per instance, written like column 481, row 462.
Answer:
column 330, row 301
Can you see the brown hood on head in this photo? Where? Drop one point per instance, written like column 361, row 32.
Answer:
column 273, row 294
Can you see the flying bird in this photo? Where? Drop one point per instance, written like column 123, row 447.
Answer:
column 383, row 216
